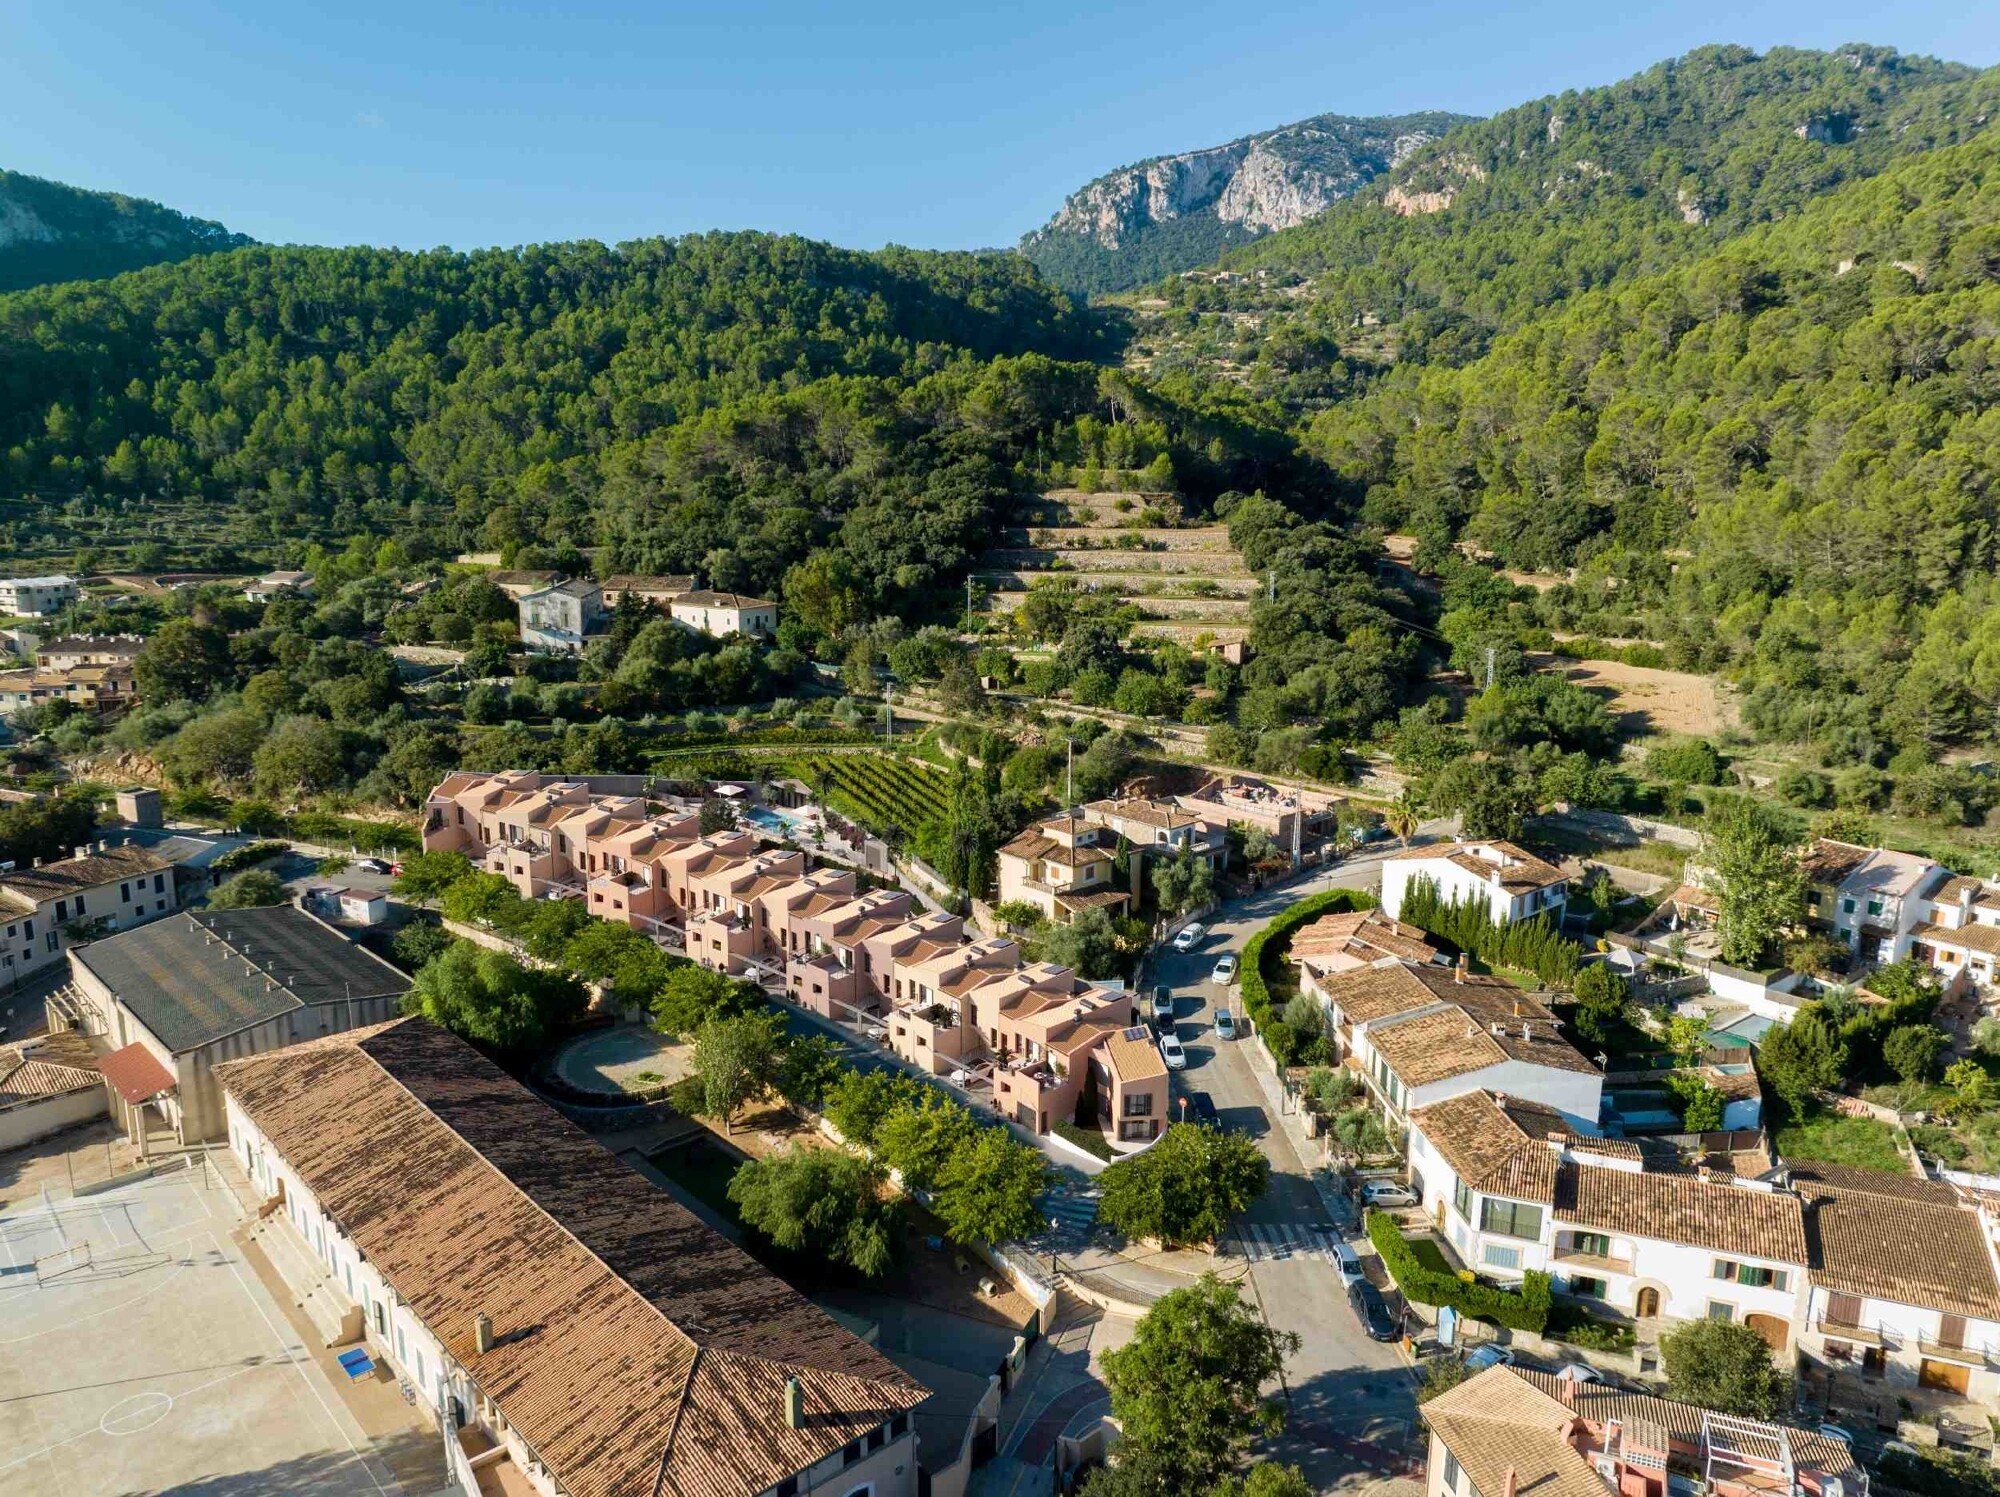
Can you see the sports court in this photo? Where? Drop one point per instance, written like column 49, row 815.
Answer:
column 139, row 1353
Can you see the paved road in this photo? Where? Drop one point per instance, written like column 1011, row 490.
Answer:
column 1344, row 1388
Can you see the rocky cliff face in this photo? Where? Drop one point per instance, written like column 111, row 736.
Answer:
column 50, row 232
column 1176, row 212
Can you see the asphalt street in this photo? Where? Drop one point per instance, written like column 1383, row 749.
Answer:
column 1343, row 1387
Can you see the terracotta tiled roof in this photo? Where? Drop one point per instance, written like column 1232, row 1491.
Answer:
column 1826, row 862
column 1974, row 937
column 1498, row 1426
column 1489, row 1148
column 636, row 1350
column 135, row 1073
column 1685, row 1209
column 1366, row 934
column 1134, row 1056
column 1365, row 995
column 1153, row 813
column 1479, row 1025
column 627, row 583
column 75, row 875
column 1518, row 868
column 724, row 600
column 50, row 1066
column 1896, row 1238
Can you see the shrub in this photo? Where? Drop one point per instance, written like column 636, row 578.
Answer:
column 1272, row 940
column 1087, row 1139
column 1527, row 945
column 1525, row 1309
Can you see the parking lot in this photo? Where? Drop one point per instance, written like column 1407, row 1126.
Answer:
column 140, row 1353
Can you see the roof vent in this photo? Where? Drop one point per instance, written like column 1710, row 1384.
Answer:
column 795, row 1404
column 482, row 1333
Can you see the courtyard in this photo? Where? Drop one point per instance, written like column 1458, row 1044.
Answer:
column 141, row 1351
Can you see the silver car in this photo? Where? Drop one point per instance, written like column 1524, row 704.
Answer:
column 1172, row 1053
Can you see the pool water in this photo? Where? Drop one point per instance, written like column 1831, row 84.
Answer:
column 778, row 822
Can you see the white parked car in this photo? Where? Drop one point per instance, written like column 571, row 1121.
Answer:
column 1381, row 1193
column 1225, row 971
column 1583, row 1372
column 1172, row 1053
column 1348, row 1262
column 1163, row 1004
column 1190, row 937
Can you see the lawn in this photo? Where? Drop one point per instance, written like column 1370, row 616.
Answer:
column 1430, row 1255
column 1861, row 1142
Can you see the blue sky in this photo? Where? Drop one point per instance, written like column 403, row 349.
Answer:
column 941, row 124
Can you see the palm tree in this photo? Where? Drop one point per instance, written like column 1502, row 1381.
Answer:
column 1401, row 819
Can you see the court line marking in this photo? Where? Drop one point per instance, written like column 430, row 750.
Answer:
column 285, row 1346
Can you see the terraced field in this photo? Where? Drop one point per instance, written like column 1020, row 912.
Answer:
column 1187, row 579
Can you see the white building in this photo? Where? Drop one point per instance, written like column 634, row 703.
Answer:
column 723, row 614
column 1507, row 882
column 279, row 585
column 1905, row 1288
column 1870, row 899
column 1420, row 1034
column 36, row 597
column 100, row 889
column 1513, row 1188
column 582, row 1331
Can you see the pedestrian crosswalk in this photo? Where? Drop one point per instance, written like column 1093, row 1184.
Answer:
column 1263, row 1242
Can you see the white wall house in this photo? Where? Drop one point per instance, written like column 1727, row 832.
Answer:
column 1906, row 1289
column 100, row 889
column 1869, row 899
column 1511, row 1189
column 36, row 597
column 1422, row 1034
column 1508, row 882
column 723, row 614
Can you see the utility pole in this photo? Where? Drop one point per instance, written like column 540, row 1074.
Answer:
column 1490, row 653
column 1271, row 586
column 968, row 600
column 888, row 712
column 1069, row 772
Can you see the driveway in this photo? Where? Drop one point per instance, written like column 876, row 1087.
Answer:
column 1352, row 1399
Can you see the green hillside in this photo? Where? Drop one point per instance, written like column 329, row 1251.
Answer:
column 50, row 232
column 1781, row 460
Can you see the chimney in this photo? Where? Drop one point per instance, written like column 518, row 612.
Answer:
column 1509, row 1483
column 1525, row 1035
column 795, row 1404
column 482, row 1333
column 83, row 852
column 1458, row 973
column 1566, row 1391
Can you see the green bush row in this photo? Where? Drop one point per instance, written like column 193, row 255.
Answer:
column 249, row 855
column 1525, row 1309
column 1272, row 941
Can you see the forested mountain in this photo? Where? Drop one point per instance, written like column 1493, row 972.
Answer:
column 50, row 232
column 1781, row 459
column 1506, row 217
column 723, row 404
column 1172, row 213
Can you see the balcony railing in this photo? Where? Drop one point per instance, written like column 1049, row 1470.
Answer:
column 1964, row 1356
column 1593, row 1262
column 1858, row 1334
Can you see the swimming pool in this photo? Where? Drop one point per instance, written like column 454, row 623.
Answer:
column 775, row 820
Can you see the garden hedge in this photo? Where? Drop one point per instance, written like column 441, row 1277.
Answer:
column 1525, row 1309
column 1256, row 984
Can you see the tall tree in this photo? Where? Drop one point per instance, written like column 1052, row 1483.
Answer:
column 1751, row 857
column 1188, row 1387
